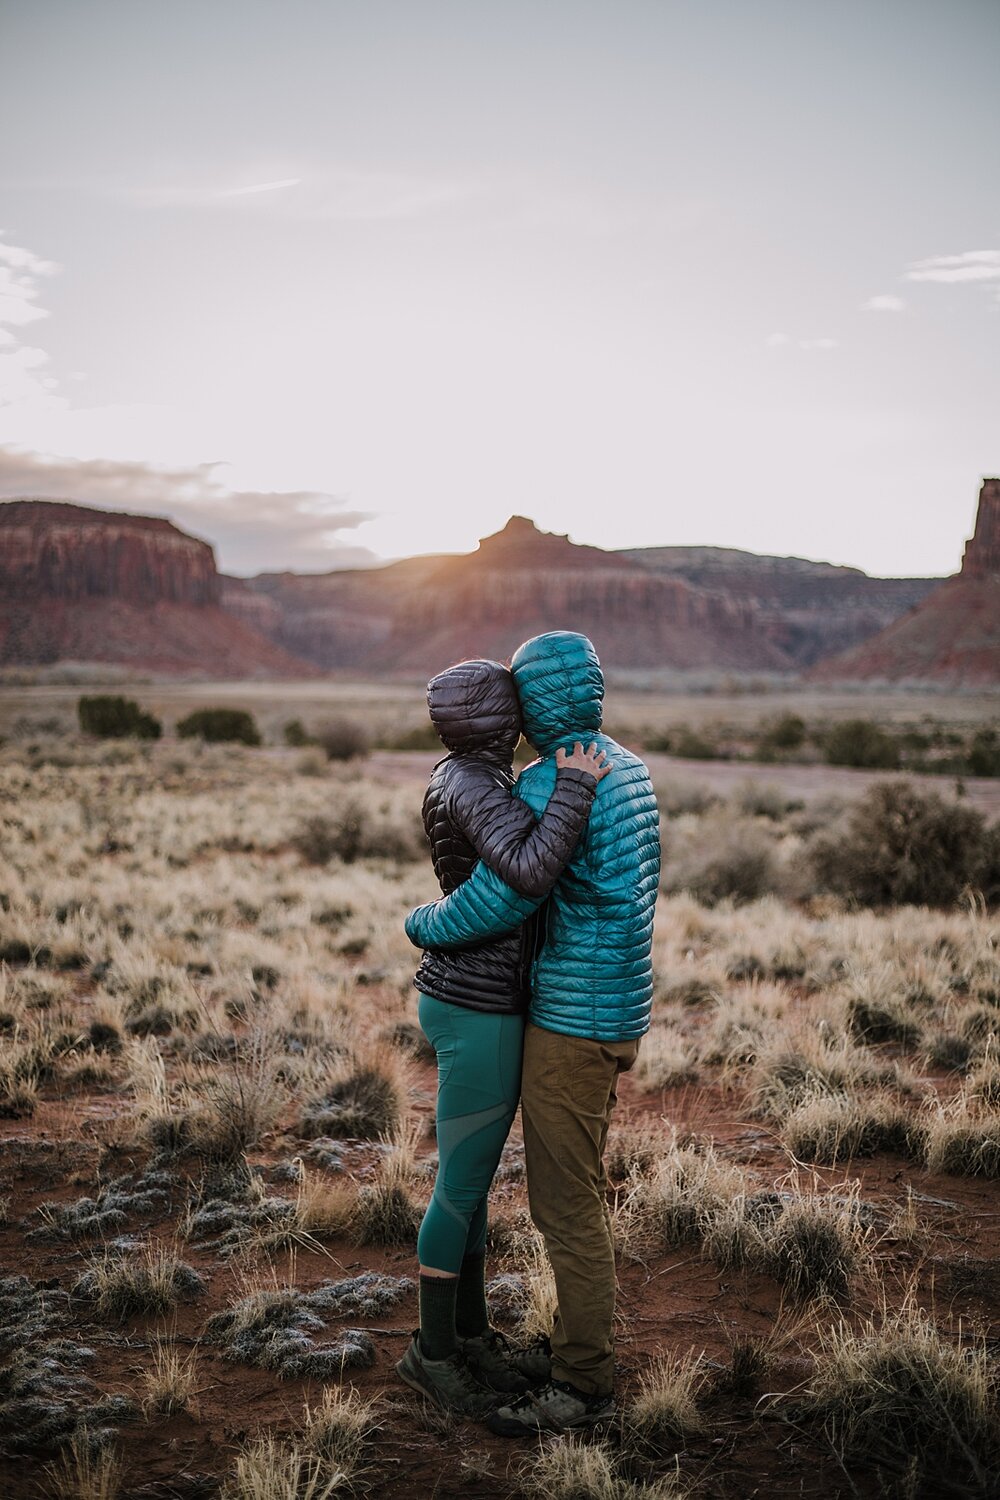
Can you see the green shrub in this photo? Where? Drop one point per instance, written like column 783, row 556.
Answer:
column 115, row 718
column 343, row 739
column 859, row 742
column 903, row 846
column 787, row 732
column 295, row 734
column 984, row 753
column 220, row 726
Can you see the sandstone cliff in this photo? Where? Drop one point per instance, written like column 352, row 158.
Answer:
column 414, row 615
column 813, row 609
column 88, row 585
column 953, row 635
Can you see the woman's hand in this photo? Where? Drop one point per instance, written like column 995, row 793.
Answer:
column 590, row 760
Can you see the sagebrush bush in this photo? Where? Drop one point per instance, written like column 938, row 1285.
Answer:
column 356, row 831
column 220, row 726
column 859, row 742
column 722, row 858
column 112, row 717
column 343, row 738
column 902, row 846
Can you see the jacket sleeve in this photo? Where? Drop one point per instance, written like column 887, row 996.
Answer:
column 529, row 855
column 484, row 906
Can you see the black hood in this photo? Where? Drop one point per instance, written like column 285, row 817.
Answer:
column 474, row 708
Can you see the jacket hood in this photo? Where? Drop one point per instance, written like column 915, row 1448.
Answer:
column 561, row 688
column 474, row 708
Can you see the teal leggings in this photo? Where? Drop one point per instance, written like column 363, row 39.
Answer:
column 479, row 1083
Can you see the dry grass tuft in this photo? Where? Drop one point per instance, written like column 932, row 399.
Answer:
column 366, row 1099
column 665, row 1408
column 151, row 1284
column 169, row 1384
column 896, row 1389
column 83, row 1474
column 569, row 1469
column 342, row 1430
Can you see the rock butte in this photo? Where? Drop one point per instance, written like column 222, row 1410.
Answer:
column 82, row 584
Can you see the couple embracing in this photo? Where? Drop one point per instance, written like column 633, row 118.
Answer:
column 535, row 984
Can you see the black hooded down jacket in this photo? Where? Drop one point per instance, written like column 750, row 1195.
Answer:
column 470, row 814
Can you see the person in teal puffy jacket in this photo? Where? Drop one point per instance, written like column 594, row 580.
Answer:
column 591, row 994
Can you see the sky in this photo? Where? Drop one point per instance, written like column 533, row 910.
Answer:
column 330, row 282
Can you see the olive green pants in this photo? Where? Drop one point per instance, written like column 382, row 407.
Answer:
column 568, row 1091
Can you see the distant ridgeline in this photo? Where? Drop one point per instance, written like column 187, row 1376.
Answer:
column 82, row 584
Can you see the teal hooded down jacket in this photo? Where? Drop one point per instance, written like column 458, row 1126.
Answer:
column 592, row 976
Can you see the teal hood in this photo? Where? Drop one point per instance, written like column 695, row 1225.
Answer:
column 561, row 688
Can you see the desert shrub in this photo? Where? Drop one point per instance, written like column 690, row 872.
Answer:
column 110, row 717
column 343, row 739
column 757, row 799
column 121, row 1285
column 859, row 742
column 828, row 1128
column 365, row 1101
column 902, row 846
column 355, row 831
column 984, row 753
column 272, row 1327
column 294, row 733
column 898, row 1392
column 786, row 732
column 963, row 1144
column 722, row 859
column 220, row 726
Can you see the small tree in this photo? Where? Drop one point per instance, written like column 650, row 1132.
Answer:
column 220, row 726
column 111, row 717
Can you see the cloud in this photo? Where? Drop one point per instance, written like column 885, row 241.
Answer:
column 884, row 302
column 20, row 364
column 325, row 193
column 970, row 265
column 254, row 531
column 261, row 187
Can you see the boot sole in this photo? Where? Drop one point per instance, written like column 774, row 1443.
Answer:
column 509, row 1427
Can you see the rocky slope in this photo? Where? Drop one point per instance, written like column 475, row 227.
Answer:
column 88, row 585
column 812, row 609
column 82, row 584
column 416, row 614
column 953, row 635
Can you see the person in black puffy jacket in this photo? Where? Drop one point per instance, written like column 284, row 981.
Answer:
column 472, row 1010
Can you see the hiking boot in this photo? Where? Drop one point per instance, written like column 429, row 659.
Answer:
column 556, row 1407
column 449, row 1383
column 494, row 1361
column 534, row 1362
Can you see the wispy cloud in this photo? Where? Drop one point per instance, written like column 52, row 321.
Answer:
column 884, row 302
column 254, row 531
column 323, row 193
column 21, row 364
column 970, row 265
column 261, row 187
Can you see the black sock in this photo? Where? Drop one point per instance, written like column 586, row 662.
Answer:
column 437, row 1316
column 472, row 1317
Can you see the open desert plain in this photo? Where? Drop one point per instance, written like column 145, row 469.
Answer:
column 217, row 1121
